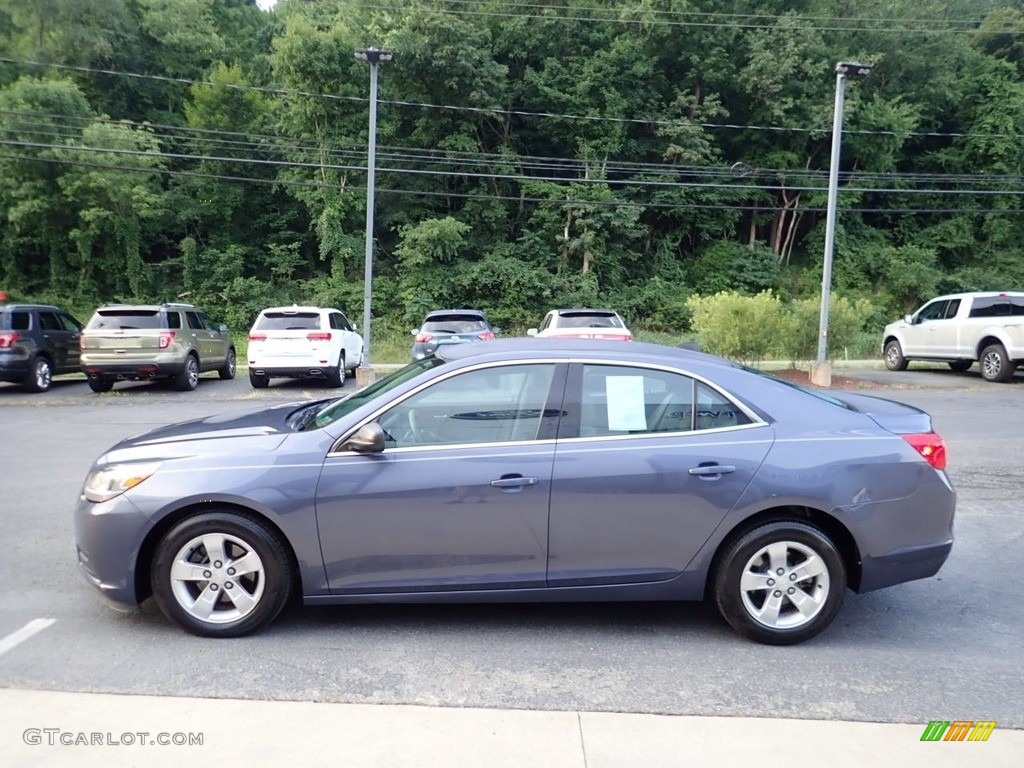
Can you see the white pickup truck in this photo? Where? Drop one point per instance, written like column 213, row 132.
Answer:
column 961, row 329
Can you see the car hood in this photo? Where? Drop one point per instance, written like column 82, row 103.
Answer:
column 255, row 429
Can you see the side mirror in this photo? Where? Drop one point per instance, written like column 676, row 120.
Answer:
column 368, row 439
column 222, row 328
column 531, row 331
column 495, row 331
column 908, row 319
column 415, row 331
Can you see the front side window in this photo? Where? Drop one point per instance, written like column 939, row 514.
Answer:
column 934, row 311
column 69, row 323
column 619, row 400
column 502, row 404
column 49, row 321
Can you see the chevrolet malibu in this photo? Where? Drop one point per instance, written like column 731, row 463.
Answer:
column 527, row 471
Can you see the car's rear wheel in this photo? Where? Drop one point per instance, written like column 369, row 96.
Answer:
column 227, row 371
column 336, row 375
column 100, row 384
column 996, row 364
column 188, row 379
column 961, row 365
column 780, row 583
column 39, row 377
column 259, row 380
column 894, row 359
column 221, row 574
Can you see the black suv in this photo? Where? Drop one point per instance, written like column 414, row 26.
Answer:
column 37, row 341
column 154, row 341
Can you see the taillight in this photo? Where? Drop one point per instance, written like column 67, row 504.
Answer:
column 257, row 337
column 7, row 339
column 319, row 336
column 166, row 337
column 930, row 446
column 628, row 337
column 486, row 336
column 423, row 338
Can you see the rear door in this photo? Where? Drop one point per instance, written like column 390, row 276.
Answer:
column 59, row 340
column 648, row 463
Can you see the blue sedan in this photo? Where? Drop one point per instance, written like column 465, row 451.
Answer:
column 527, row 470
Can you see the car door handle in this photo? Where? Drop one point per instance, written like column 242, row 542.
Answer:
column 710, row 470
column 513, row 481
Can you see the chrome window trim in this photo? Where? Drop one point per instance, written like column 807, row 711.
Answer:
column 756, row 420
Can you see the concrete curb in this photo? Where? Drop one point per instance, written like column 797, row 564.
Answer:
column 284, row 733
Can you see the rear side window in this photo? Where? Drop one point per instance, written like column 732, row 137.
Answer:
column 126, row 319
column 16, row 321
column 288, row 321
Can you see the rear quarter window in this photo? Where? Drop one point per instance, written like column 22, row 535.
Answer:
column 15, row 321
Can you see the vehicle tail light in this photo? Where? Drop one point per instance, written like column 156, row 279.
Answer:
column 930, row 446
column 7, row 339
column 166, row 337
column 319, row 336
column 628, row 337
column 486, row 336
column 257, row 337
column 422, row 338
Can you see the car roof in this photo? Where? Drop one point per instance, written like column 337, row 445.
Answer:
column 14, row 306
column 435, row 312
column 297, row 308
column 554, row 347
column 980, row 295
column 585, row 311
column 146, row 307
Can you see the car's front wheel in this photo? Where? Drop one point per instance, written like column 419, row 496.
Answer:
column 894, row 359
column 39, row 377
column 188, row 379
column 780, row 583
column 221, row 574
column 996, row 364
column 227, row 371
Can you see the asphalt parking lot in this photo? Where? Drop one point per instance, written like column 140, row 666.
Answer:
column 943, row 648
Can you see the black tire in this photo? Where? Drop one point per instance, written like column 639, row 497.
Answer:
column 188, row 379
column 996, row 364
column 200, row 583
column 811, row 572
column 40, row 376
column 259, row 380
column 227, row 371
column 336, row 375
column 961, row 365
column 100, row 384
column 894, row 359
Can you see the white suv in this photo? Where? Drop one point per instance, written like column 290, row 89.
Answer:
column 299, row 342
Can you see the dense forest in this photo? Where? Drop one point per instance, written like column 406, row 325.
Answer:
column 530, row 154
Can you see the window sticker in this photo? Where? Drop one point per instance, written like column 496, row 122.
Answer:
column 625, row 403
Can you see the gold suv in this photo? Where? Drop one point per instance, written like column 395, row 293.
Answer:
column 154, row 341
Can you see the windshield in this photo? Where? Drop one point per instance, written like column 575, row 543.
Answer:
column 337, row 409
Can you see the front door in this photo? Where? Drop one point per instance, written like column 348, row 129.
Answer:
column 459, row 497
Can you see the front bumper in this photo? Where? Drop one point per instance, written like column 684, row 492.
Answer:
column 108, row 539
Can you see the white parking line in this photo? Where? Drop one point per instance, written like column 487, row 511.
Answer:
column 23, row 634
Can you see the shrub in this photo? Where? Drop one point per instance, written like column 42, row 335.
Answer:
column 742, row 328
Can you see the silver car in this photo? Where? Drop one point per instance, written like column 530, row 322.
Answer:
column 526, row 470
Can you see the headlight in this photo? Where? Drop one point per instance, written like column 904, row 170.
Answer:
column 113, row 480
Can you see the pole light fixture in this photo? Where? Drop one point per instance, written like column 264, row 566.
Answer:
column 374, row 56
column 821, row 370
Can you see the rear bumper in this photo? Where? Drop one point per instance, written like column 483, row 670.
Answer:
column 13, row 369
column 139, row 370
column 905, row 565
column 290, row 372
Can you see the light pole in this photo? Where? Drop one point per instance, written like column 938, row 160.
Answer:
column 364, row 374
column 821, row 370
